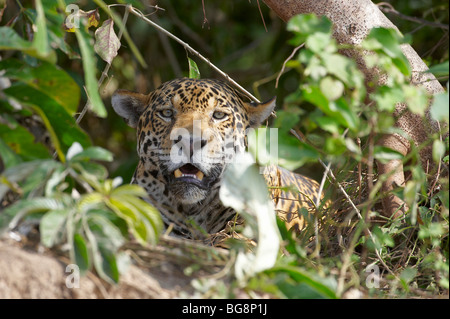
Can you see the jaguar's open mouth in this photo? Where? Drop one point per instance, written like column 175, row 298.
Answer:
column 188, row 172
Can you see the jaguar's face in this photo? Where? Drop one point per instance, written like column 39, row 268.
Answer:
column 188, row 130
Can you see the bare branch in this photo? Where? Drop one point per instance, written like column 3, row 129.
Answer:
column 388, row 8
column 188, row 48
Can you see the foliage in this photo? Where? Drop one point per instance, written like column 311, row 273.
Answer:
column 339, row 114
column 50, row 170
column 80, row 210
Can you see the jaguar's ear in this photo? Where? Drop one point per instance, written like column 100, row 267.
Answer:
column 258, row 112
column 129, row 105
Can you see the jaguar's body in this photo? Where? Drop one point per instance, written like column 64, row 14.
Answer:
column 187, row 132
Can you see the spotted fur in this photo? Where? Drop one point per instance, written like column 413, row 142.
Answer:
column 169, row 120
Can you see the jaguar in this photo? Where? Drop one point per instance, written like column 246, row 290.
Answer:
column 188, row 131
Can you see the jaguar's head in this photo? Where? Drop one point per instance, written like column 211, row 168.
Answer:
column 187, row 132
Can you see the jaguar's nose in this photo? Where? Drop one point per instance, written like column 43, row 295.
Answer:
column 188, row 146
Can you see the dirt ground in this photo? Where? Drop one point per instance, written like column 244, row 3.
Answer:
column 26, row 273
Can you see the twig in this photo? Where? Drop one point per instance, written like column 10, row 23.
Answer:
column 262, row 16
column 286, row 61
column 205, row 20
column 388, row 8
column 192, row 51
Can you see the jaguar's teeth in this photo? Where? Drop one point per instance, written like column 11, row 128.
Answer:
column 199, row 175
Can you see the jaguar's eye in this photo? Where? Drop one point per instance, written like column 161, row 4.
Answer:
column 217, row 115
column 167, row 113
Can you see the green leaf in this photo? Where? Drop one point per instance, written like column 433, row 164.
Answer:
column 390, row 41
column 8, row 156
column 40, row 39
column 106, row 41
column 22, row 142
column 89, row 67
column 52, row 227
column 332, row 89
column 80, row 253
column 407, row 275
column 10, row 40
column 14, row 213
column 432, row 230
column 416, row 99
column 328, row 123
column 387, row 97
column 342, row 67
column 194, row 72
column 93, row 153
column 318, row 42
column 439, row 70
column 386, row 154
column 439, row 109
column 438, row 150
column 48, row 79
column 305, row 24
column 59, row 122
column 324, row 286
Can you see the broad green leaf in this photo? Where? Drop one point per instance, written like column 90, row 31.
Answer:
column 325, row 286
column 56, row 179
column 52, row 227
column 66, row 131
column 439, row 109
column 342, row 67
column 19, row 172
column 10, row 40
column 194, row 72
column 90, row 67
column 36, row 181
column 146, row 211
column 407, row 275
column 305, row 24
column 130, row 189
column 103, row 266
column 90, row 200
column 106, row 41
column 22, row 142
column 438, row 150
column 93, row 153
column 416, row 99
column 441, row 69
column 387, row 97
column 386, row 154
column 108, row 234
column 91, row 169
column 8, row 156
column 332, row 89
column 48, row 79
column 40, row 39
column 318, row 42
column 390, row 40
column 328, row 123
column 80, row 253
column 14, row 213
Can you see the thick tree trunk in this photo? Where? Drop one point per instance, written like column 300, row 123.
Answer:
column 352, row 22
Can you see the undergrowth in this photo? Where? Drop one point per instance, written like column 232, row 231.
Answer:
column 349, row 248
